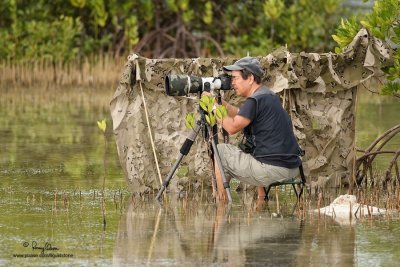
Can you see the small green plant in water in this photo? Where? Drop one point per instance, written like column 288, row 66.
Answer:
column 103, row 126
column 207, row 104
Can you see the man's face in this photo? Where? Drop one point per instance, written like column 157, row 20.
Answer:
column 240, row 85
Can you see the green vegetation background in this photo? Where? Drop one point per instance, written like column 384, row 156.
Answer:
column 60, row 32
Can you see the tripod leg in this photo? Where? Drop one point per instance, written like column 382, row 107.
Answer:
column 221, row 171
column 169, row 177
column 183, row 152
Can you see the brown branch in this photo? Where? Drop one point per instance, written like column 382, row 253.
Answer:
column 175, row 46
column 393, row 129
column 144, row 40
column 366, row 162
column 375, row 153
column 368, row 157
column 165, row 52
column 148, row 37
column 392, row 162
column 215, row 43
column 157, row 48
column 192, row 38
column 388, row 137
column 369, row 90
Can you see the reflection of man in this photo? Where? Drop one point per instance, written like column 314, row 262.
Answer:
column 270, row 152
column 150, row 235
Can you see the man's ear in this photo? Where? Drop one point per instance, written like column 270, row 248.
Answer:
column 251, row 79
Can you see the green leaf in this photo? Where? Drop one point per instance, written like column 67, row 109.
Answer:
column 183, row 4
column 131, row 30
column 172, row 5
column 102, row 125
column 337, row 39
column 203, row 106
column 98, row 12
column 208, row 119
column 366, row 24
column 188, row 15
column 391, row 88
column 78, row 3
column 204, row 100
column 213, row 120
column 224, row 112
column 210, row 108
column 221, row 112
column 190, row 120
column 207, row 18
column 218, row 113
column 211, row 101
column 273, row 9
column 207, row 103
column 346, row 32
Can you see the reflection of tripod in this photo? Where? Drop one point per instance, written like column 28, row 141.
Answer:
column 200, row 124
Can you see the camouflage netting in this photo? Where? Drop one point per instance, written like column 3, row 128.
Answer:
column 318, row 90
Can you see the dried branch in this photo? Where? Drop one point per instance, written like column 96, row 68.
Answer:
column 215, row 43
column 388, row 175
column 395, row 129
column 366, row 160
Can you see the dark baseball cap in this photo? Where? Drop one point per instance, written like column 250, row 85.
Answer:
column 248, row 63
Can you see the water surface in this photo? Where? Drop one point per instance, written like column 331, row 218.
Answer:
column 54, row 159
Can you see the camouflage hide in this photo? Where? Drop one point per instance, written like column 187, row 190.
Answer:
column 318, row 91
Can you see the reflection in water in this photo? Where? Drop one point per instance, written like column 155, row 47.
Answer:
column 53, row 133
column 51, row 167
column 51, row 173
column 325, row 243
column 213, row 235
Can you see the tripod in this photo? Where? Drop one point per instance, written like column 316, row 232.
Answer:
column 184, row 150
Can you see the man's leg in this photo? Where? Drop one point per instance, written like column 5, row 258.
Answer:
column 237, row 164
column 250, row 171
column 261, row 192
column 229, row 155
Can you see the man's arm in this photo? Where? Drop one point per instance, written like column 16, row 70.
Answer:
column 232, row 110
column 234, row 124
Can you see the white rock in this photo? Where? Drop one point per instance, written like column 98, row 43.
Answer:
column 345, row 208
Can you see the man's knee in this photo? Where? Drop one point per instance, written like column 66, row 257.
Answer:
column 224, row 152
column 222, row 149
column 222, row 146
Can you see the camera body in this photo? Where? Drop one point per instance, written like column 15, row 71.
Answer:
column 183, row 85
column 247, row 147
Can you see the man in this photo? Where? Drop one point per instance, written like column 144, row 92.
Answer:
column 269, row 151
